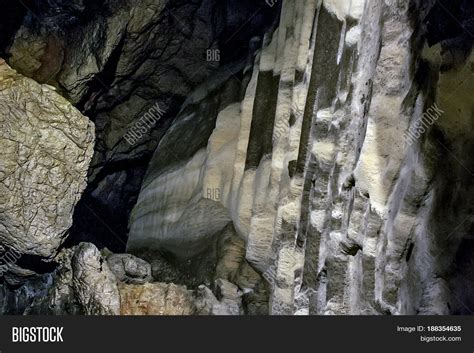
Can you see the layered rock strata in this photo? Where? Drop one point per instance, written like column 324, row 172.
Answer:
column 46, row 146
column 338, row 209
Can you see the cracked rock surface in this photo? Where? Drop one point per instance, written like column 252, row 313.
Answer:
column 94, row 284
column 46, row 145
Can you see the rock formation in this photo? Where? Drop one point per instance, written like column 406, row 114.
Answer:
column 116, row 61
column 323, row 168
column 312, row 166
column 46, row 149
column 130, row 269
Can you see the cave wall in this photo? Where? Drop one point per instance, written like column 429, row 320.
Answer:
column 118, row 60
column 341, row 212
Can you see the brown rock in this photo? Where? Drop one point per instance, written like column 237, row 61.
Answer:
column 155, row 299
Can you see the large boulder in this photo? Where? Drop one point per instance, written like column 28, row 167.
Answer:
column 46, row 146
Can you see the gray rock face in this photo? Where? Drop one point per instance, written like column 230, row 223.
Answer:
column 373, row 244
column 84, row 284
column 81, row 284
column 94, row 283
column 129, row 269
column 46, row 146
column 227, row 301
column 230, row 296
column 116, row 60
column 329, row 167
column 196, row 209
column 58, row 296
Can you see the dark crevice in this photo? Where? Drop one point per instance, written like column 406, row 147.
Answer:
column 102, row 81
column 11, row 18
